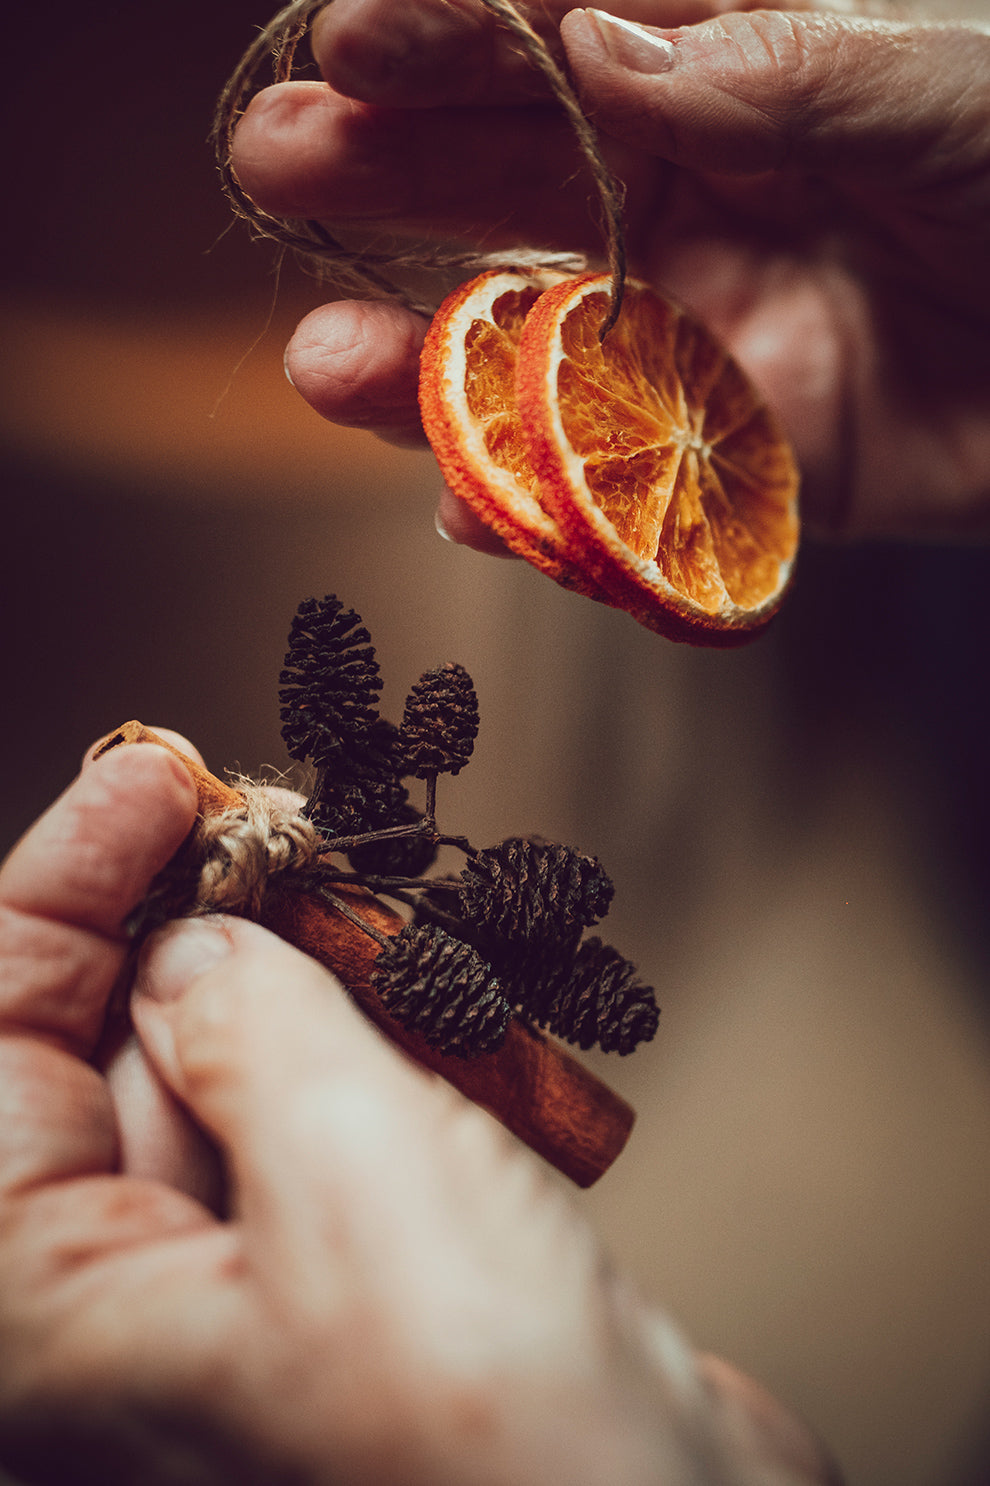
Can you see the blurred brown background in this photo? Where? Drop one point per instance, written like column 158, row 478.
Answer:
column 798, row 832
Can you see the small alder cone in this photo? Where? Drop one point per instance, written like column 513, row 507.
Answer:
column 360, row 790
column 602, row 1002
column 527, row 890
column 348, row 804
column 330, row 683
column 440, row 722
column 527, row 902
column 440, row 987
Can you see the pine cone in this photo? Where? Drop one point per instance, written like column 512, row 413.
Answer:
column 440, row 722
column 441, row 988
column 602, row 1002
column 330, row 685
column 529, row 891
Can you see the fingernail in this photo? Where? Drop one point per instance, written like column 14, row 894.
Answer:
column 178, row 954
column 632, row 46
column 441, row 529
column 285, row 368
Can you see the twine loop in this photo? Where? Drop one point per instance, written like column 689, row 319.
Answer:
column 369, row 272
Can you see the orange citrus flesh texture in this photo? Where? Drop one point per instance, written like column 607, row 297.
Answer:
column 645, row 472
column 669, row 476
column 467, row 399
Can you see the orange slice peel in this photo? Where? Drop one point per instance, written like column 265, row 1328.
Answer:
column 644, row 470
column 467, row 400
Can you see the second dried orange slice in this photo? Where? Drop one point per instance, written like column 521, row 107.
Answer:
column 670, row 478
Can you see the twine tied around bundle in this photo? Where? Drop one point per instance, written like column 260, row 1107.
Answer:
column 231, row 858
column 242, row 850
column 370, row 273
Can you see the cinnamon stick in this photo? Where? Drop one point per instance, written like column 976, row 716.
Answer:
column 546, row 1098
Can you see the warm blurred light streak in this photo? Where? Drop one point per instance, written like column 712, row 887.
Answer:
column 190, row 406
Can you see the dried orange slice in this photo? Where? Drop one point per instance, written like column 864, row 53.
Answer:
column 644, row 471
column 468, row 404
column 661, row 463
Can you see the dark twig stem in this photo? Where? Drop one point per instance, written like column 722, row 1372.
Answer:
column 347, row 912
column 345, row 844
column 376, row 884
column 431, row 799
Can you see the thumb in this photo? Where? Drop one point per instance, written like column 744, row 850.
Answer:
column 274, row 1061
column 748, row 93
column 333, row 1140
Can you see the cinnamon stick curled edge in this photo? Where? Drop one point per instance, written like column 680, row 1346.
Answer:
column 539, row 1092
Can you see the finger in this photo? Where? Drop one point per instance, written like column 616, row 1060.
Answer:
column 69, row 884
column 457, row 523
column 431, row 53
column 491, row 175
column 870, row 101
column 158, row 1139
column 334, row 1142
column 65, row 891
column 358, row 365
column 756, row 1426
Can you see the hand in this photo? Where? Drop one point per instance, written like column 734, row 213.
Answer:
column 382, row 1289
column 815, row 186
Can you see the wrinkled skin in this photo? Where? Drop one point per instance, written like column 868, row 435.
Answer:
column 253, row 1244
column 815, row 185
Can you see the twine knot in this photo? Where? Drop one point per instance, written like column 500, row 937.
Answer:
column 241, row 850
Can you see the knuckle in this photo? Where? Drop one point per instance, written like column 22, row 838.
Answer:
column 53, row 977
column 783, row 68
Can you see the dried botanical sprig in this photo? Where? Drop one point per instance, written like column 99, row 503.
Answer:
column 442, row 988
column 554, row 1104
column 505, row 933
column 330, row 682
column 529, row 891
column 602, row 1002
column 440, row 722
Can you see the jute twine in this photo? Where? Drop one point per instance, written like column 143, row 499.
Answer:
column 369, row 272
column 231, row 859
column 243, row 850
